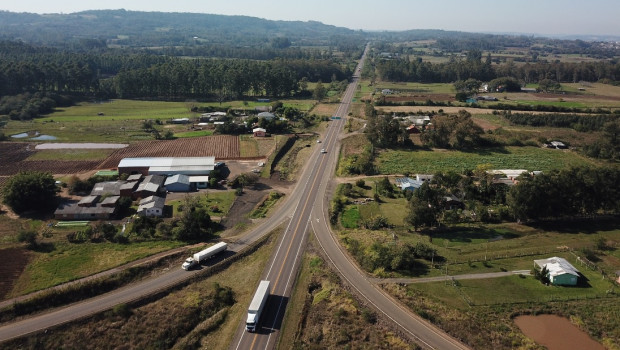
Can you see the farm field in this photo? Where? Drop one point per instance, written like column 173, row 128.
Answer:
column 68, row 261
column 430, row 162
column 221, row 147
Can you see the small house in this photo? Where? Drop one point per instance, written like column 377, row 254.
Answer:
column 266, row 115
column 561, row 272
column 259, row 132
column 412, row 129
column 408, row 184
column 177, row 183
column 151, row 206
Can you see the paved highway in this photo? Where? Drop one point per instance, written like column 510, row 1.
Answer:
column 284, row 264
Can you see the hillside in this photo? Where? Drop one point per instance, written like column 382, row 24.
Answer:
column 143, row 29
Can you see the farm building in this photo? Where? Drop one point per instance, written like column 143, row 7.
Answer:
column 107, row 187
column 199, row 181
column 423, row 177
column 167, row 165
column 134, row 177
column 180, row 121
column 151, row 185
column 266, row 115
column 151, row 206
column 561, row 272
column 72, row 211
column 259, row 132
column 408, row 184
column 412, row 129
column 177, row 183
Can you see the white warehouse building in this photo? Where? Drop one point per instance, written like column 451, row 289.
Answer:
column 167, row 166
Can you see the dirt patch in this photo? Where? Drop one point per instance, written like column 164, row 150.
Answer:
column 13, row 263
column 555, row 333
column 252, row 196
column 484, row 124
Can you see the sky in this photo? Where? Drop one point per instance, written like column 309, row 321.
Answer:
column 552, row 17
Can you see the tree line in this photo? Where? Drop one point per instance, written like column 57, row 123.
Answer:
column 24, row 69
column 472, row 67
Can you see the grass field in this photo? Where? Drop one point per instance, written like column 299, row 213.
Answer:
column 516, row 289
column 430, row 162
column 197, row 133
column 69, row 261
column 222, row 199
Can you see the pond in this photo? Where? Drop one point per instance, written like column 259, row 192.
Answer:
column 556, row 333
column 36, row 136
column 44, row 138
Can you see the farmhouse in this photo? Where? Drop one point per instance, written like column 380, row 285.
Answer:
column 178, row 183
column 266, row 115
column 151, row 206
column 561, row 272
column 259, row 132
column 408, row 184
column 167, row 165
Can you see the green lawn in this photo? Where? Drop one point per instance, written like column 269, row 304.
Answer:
column 197, row 133
column 69, row 261
column 350, row 217
column 430, row 162
column 517, row 289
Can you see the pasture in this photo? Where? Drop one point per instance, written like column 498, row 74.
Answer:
column 430, row 162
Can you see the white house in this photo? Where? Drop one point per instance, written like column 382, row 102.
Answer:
column 561, row 272
column 151, row 206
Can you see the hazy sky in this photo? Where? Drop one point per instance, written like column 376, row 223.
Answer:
column 523, row 16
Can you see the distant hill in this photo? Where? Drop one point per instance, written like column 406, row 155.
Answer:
column 140, row 29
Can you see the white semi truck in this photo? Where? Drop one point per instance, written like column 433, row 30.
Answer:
column 203, row 255
column 256, row 306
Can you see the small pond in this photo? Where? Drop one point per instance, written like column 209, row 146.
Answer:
column 44, row 138
column 20, row 136
column 556, row 333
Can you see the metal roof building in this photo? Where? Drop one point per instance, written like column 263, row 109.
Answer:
column 561, row 272
column 167, row 165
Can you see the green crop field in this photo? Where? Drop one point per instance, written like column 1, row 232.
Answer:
column 70, row 261
column 430, row 162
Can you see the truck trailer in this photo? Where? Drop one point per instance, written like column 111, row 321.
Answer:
column 256, row 306
column 203, row 255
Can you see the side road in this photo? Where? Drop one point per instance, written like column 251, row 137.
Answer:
column 468, row 276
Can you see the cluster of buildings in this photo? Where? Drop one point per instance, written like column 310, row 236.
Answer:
column 148, row 180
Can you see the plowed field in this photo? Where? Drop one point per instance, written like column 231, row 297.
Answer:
column 14, row 261
column 221, row 147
